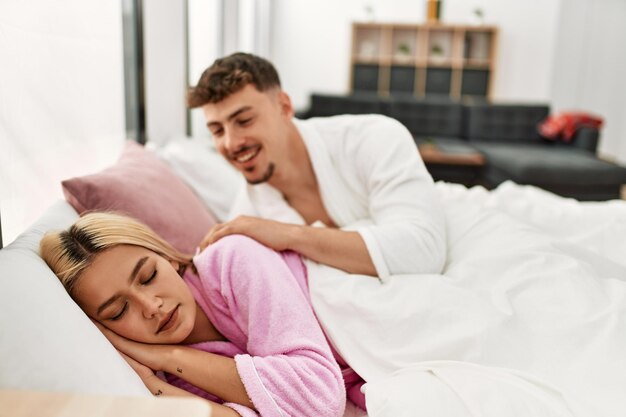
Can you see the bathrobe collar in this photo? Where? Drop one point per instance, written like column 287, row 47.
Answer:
column 334, row 193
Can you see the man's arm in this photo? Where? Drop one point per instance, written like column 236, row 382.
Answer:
column 406, row 229
column 406, row 233
column 340, row 249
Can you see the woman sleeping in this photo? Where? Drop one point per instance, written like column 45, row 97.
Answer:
column 234, row 325
column 508, row 330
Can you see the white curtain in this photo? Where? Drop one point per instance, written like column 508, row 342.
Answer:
column 255, row 23
column 221, row 27
column 61, row 100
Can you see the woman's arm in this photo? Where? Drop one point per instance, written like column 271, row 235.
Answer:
column 289, row 368
column 210, row 372
column 159, row 387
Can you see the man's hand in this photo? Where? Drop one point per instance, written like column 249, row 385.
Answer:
column 273, row 234
column 341, row 249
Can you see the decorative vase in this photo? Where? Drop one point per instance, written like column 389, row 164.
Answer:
column 433, row 11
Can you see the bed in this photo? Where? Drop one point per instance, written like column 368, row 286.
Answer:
column 528, row 318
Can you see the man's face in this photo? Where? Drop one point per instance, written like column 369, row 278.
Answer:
column 250, row 129
column 137, row 294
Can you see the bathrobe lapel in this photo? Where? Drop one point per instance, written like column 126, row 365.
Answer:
column 341, row 203
column 338, row 199
column 270, row 204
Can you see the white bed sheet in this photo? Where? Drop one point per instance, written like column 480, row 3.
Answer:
column 528, row 318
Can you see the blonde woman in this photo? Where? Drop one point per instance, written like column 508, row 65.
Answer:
column 234, row 325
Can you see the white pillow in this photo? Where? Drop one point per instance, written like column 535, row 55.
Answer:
column 47, row 342
column 196, row 161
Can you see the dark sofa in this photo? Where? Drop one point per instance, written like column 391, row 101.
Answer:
column 505, row 134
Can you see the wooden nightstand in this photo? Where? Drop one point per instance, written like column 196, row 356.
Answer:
column 16, row 403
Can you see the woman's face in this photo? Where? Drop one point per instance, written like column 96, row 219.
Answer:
column 137, row 294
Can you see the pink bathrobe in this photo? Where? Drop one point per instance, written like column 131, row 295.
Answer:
column 258, row 299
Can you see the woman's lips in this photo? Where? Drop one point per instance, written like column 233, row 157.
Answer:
column 169, row 320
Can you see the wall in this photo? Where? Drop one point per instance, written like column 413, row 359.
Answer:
column 311, row 42
column 61, row 100
column 565, row 52
column 590, row 63
column 527, row 38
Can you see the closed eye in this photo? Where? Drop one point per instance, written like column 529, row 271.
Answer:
column 149, row 280
column 120, row 314
column 216, row 132
column 245, row 122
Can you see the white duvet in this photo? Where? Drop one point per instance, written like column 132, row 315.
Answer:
column 527, row 319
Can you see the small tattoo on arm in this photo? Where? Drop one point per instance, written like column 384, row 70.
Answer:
column 180, row 370
column 159, row 392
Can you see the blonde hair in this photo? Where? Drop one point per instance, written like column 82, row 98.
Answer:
column 70, row 252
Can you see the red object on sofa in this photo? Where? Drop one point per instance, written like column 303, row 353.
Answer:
column 564, row 125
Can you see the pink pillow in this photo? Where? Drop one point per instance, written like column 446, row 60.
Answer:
column 142, row 186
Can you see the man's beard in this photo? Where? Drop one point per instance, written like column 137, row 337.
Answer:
column 265, row 177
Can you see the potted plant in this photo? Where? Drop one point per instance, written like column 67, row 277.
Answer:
column 403, row 52
column 479, row 16
column 437, row 53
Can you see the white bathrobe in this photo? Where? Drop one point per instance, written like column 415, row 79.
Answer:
column 371, row 180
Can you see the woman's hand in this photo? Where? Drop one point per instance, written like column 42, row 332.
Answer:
column 208, row 371
column 142, row 370
column 151, row 356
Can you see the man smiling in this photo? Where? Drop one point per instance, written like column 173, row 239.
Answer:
column 361, row 176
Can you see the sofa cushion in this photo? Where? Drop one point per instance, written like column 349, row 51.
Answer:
column 429, row 117
column 542, row 165
column 504, row 123
column 323, row 105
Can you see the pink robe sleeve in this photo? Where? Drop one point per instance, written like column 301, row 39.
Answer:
column 289, row 369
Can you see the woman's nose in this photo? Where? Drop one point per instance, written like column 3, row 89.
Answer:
column 150, row 305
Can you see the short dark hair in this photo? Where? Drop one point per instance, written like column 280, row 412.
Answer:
column 230, row 74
